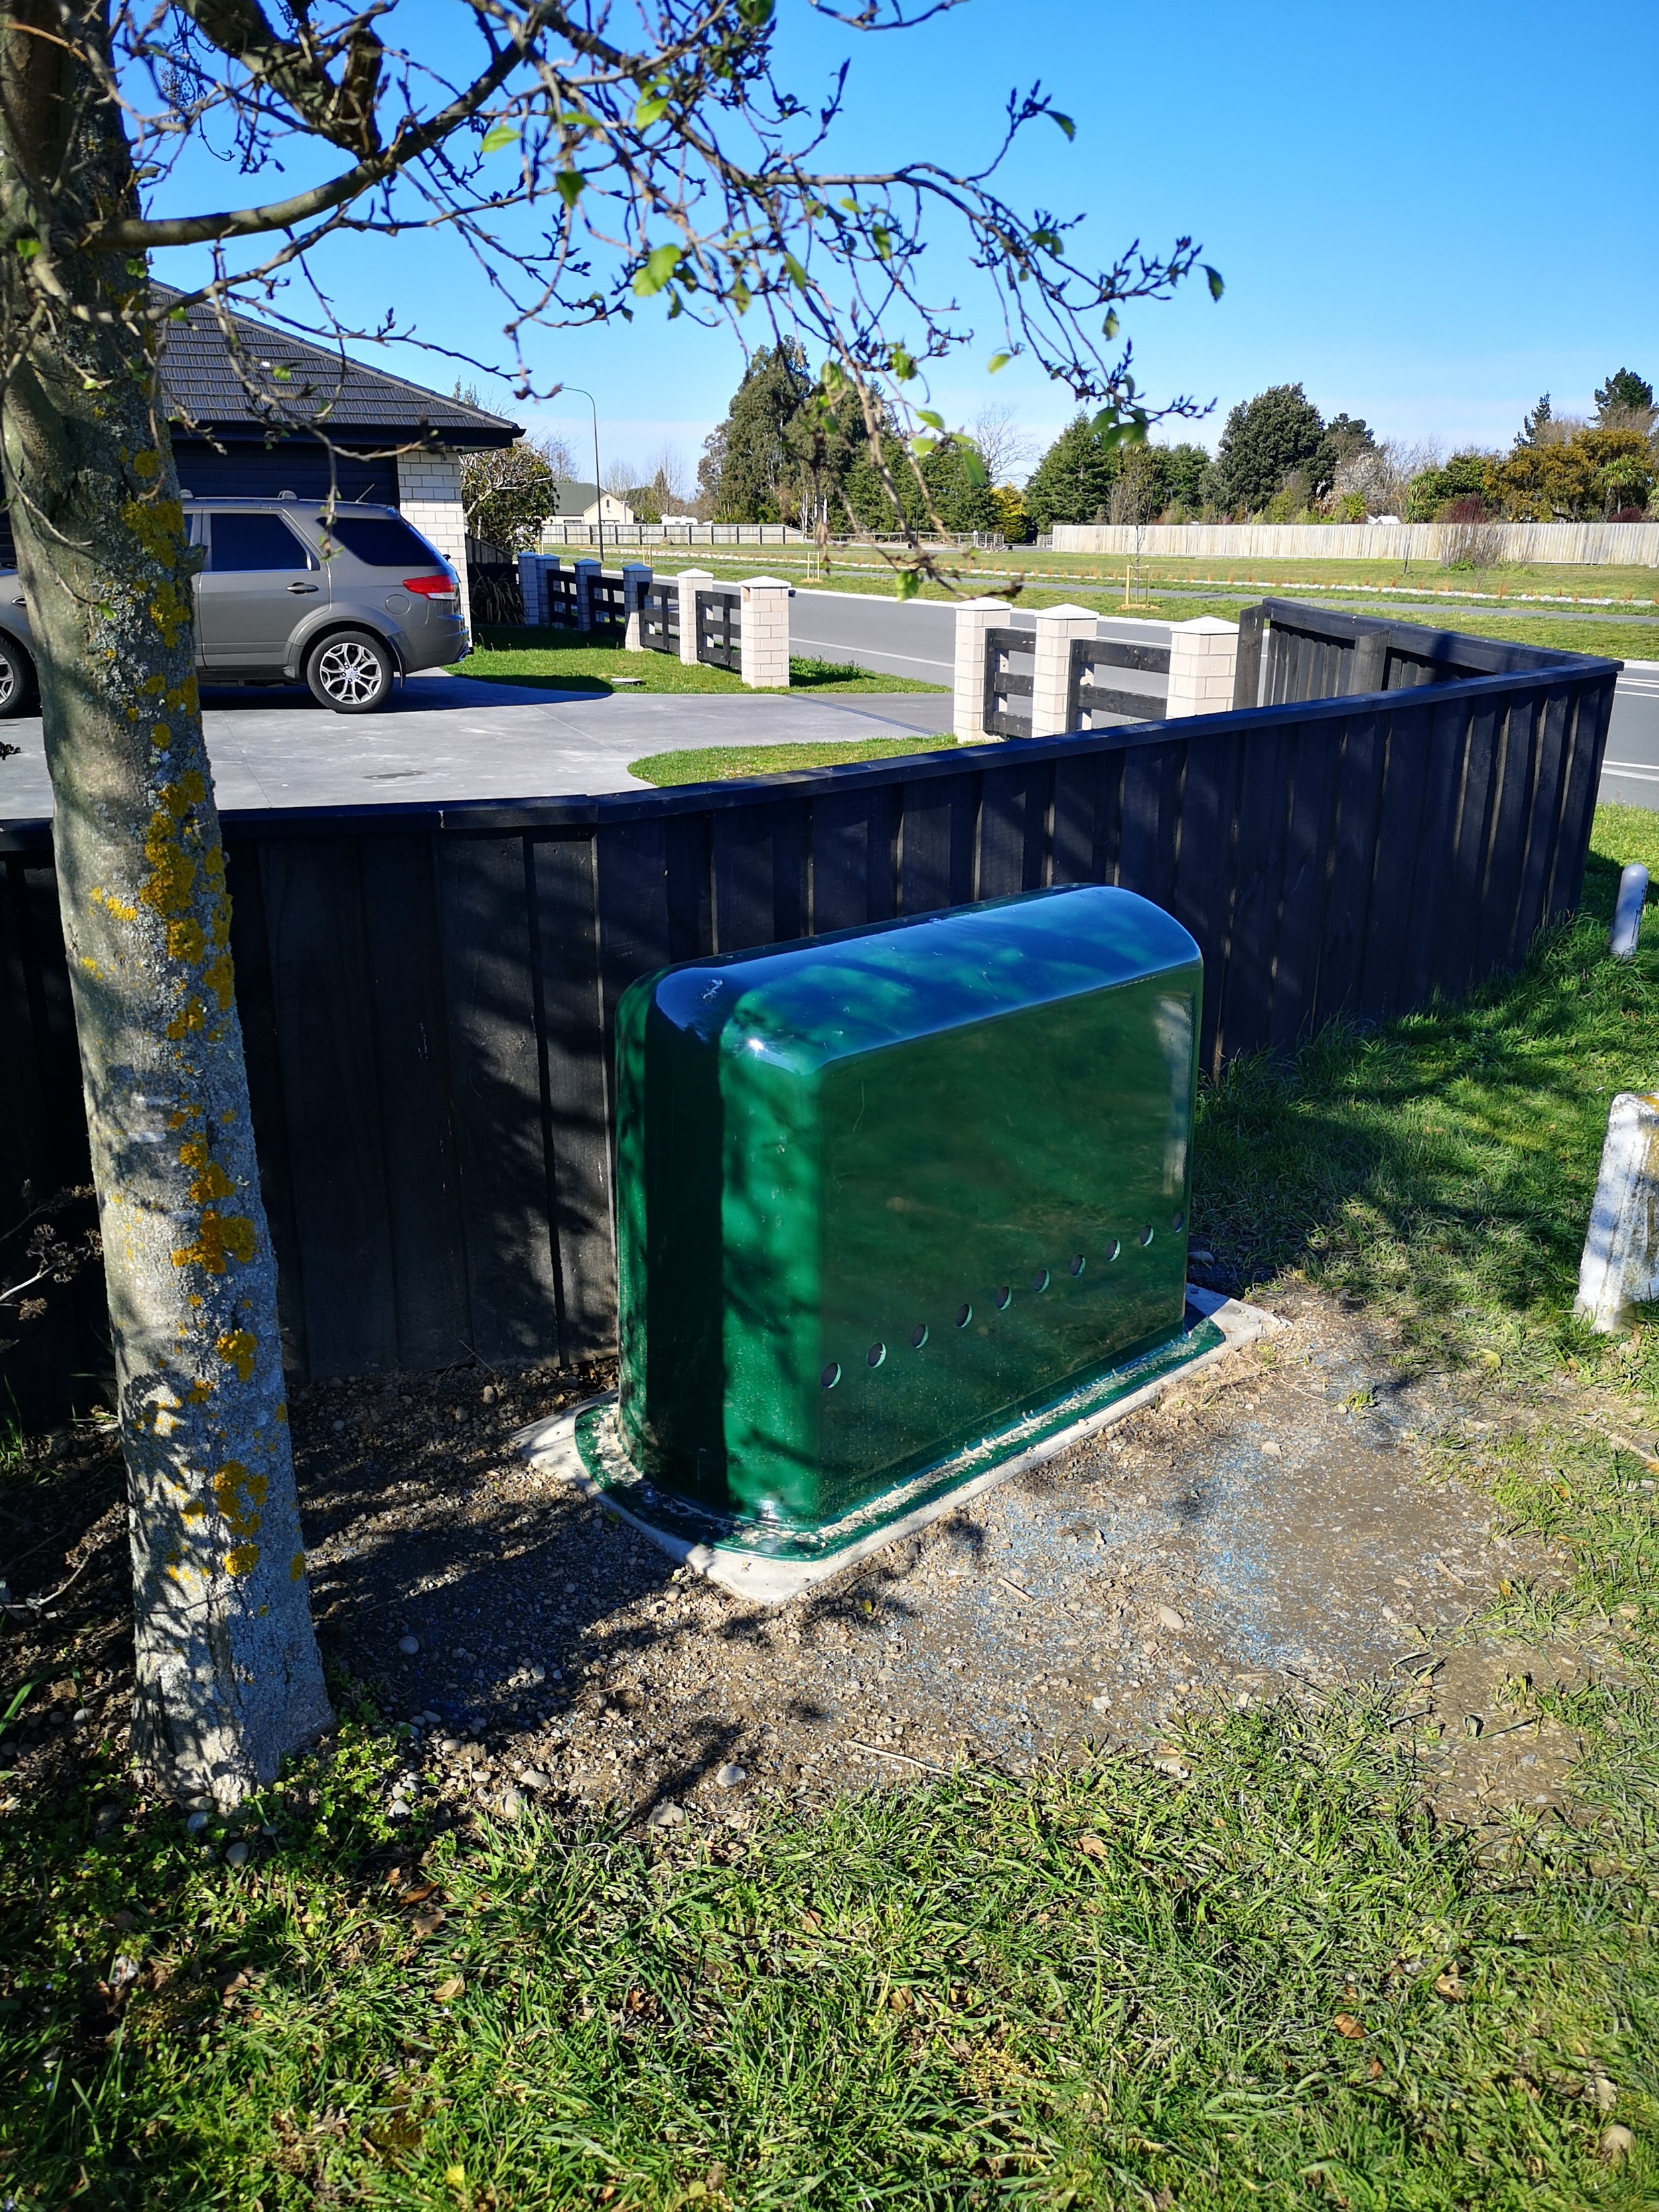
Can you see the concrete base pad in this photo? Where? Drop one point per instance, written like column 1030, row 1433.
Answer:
column 551, row 1446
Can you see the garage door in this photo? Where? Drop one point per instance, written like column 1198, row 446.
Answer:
column 263, row 472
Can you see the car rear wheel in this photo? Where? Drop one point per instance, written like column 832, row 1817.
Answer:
column 17, row 684
column 350, row 670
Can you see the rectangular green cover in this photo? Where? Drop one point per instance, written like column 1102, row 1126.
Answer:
column 882, row 1193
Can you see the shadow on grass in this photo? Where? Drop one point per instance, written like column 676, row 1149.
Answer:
column 1441, row 1168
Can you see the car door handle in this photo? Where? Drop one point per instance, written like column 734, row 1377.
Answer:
column 297, row 588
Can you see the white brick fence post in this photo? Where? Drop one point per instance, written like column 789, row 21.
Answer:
column 1051, row 676
column 586, row 572
column 637, row 582
column 429, row 496
column 534, row 568
column 765, row 639
column 974, row 619
column 1203, row 662
column 690, row 582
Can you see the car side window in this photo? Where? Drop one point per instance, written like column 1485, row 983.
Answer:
column 244, row 541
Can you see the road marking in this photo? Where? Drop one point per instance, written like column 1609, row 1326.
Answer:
column 1643, row 769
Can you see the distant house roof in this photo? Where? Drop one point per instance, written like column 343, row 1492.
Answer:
column 277, row 376
column 576, row 501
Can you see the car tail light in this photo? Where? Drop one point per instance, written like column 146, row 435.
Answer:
column 431, row 587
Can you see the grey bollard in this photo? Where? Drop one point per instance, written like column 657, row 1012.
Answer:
column 1627, row 912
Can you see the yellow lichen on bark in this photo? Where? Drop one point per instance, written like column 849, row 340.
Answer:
column 220, row 1237
column 296, row 1566
column 237, row 1347
column 242, row 1559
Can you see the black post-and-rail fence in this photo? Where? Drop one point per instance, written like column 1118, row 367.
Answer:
column 428, row 994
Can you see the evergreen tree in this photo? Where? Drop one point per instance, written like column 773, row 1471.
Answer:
column 1624, row 393
column 1532, row 426
column 749, row 472
column 1072, row 482
column 1265, row 439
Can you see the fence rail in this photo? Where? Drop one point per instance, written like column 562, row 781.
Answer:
column 428, row 994
column 1006, row 685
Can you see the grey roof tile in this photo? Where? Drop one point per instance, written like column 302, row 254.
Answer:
column 270, row 375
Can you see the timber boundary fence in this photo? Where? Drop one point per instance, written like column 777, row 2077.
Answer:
column 428, row 994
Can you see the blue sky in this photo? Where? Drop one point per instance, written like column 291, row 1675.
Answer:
column 1426, row 214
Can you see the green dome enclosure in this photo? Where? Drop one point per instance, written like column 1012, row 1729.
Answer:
column 896, row 1195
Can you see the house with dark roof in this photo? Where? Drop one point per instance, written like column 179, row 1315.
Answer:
column 238, row 403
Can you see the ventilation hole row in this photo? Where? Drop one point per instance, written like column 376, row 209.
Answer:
column 1003, row 1297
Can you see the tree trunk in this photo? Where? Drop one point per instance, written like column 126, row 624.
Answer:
column 230, row 1681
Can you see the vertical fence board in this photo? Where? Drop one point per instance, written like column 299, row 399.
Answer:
column 1542, row 823
column 1591, row 712
column 1245, row 1009
column 1149, row 852
column 575, row 1089
column 1424, row 922
column 1347, row 907
column 1501, row 874
column 417, row 1086
column 745, row 899
column 324, row 1023
column 1203, row 894
column 484, row 910
column 1078, row 787
column 1306, row 881
column 1398, row 839
column 256, row 1011
column 936, row 859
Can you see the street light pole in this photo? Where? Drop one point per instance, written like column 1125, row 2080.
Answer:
column 599, row 489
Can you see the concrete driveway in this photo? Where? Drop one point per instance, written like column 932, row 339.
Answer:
column 448, row 738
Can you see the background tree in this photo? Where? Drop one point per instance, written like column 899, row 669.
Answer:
column 1264, row 440
column 1003, row 443
column 1465, row 476
column 1534, row 426
column 508, row 495
column 1072, row 482
column 748, row 473
column 1624, row 396
column 591, row 160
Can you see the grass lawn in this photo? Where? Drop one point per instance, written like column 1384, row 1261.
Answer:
column 714, row 763
column 563, row 661
column 1280, row 1982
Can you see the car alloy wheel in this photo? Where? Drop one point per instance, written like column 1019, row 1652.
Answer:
column 351, row 674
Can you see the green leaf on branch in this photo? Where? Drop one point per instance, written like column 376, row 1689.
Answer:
column 997, row 360
column 1110, row 325
column 907, row 584
column 499, row 135
column 901, row 363
column 924, row 446
column 757, row 14
column 797, row 274
column 928, row 416
column 1217, row 288
column 739, row 295
column 882, row 239
column 659, row 267
column 1065, row 122
column 975, row 469
column 572, row 184
column 649, row 112
column 28, row 248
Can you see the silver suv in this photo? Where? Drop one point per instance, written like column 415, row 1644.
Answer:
column 285, row 593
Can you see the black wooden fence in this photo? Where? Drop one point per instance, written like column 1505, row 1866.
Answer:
column 428, row 994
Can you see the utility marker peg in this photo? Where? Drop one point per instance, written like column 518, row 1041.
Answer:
column 1620, row 1265
column 1627, row 912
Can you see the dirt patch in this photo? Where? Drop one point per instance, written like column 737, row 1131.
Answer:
column 1276, row 1528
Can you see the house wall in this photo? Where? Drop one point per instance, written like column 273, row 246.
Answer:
column 430, row 494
